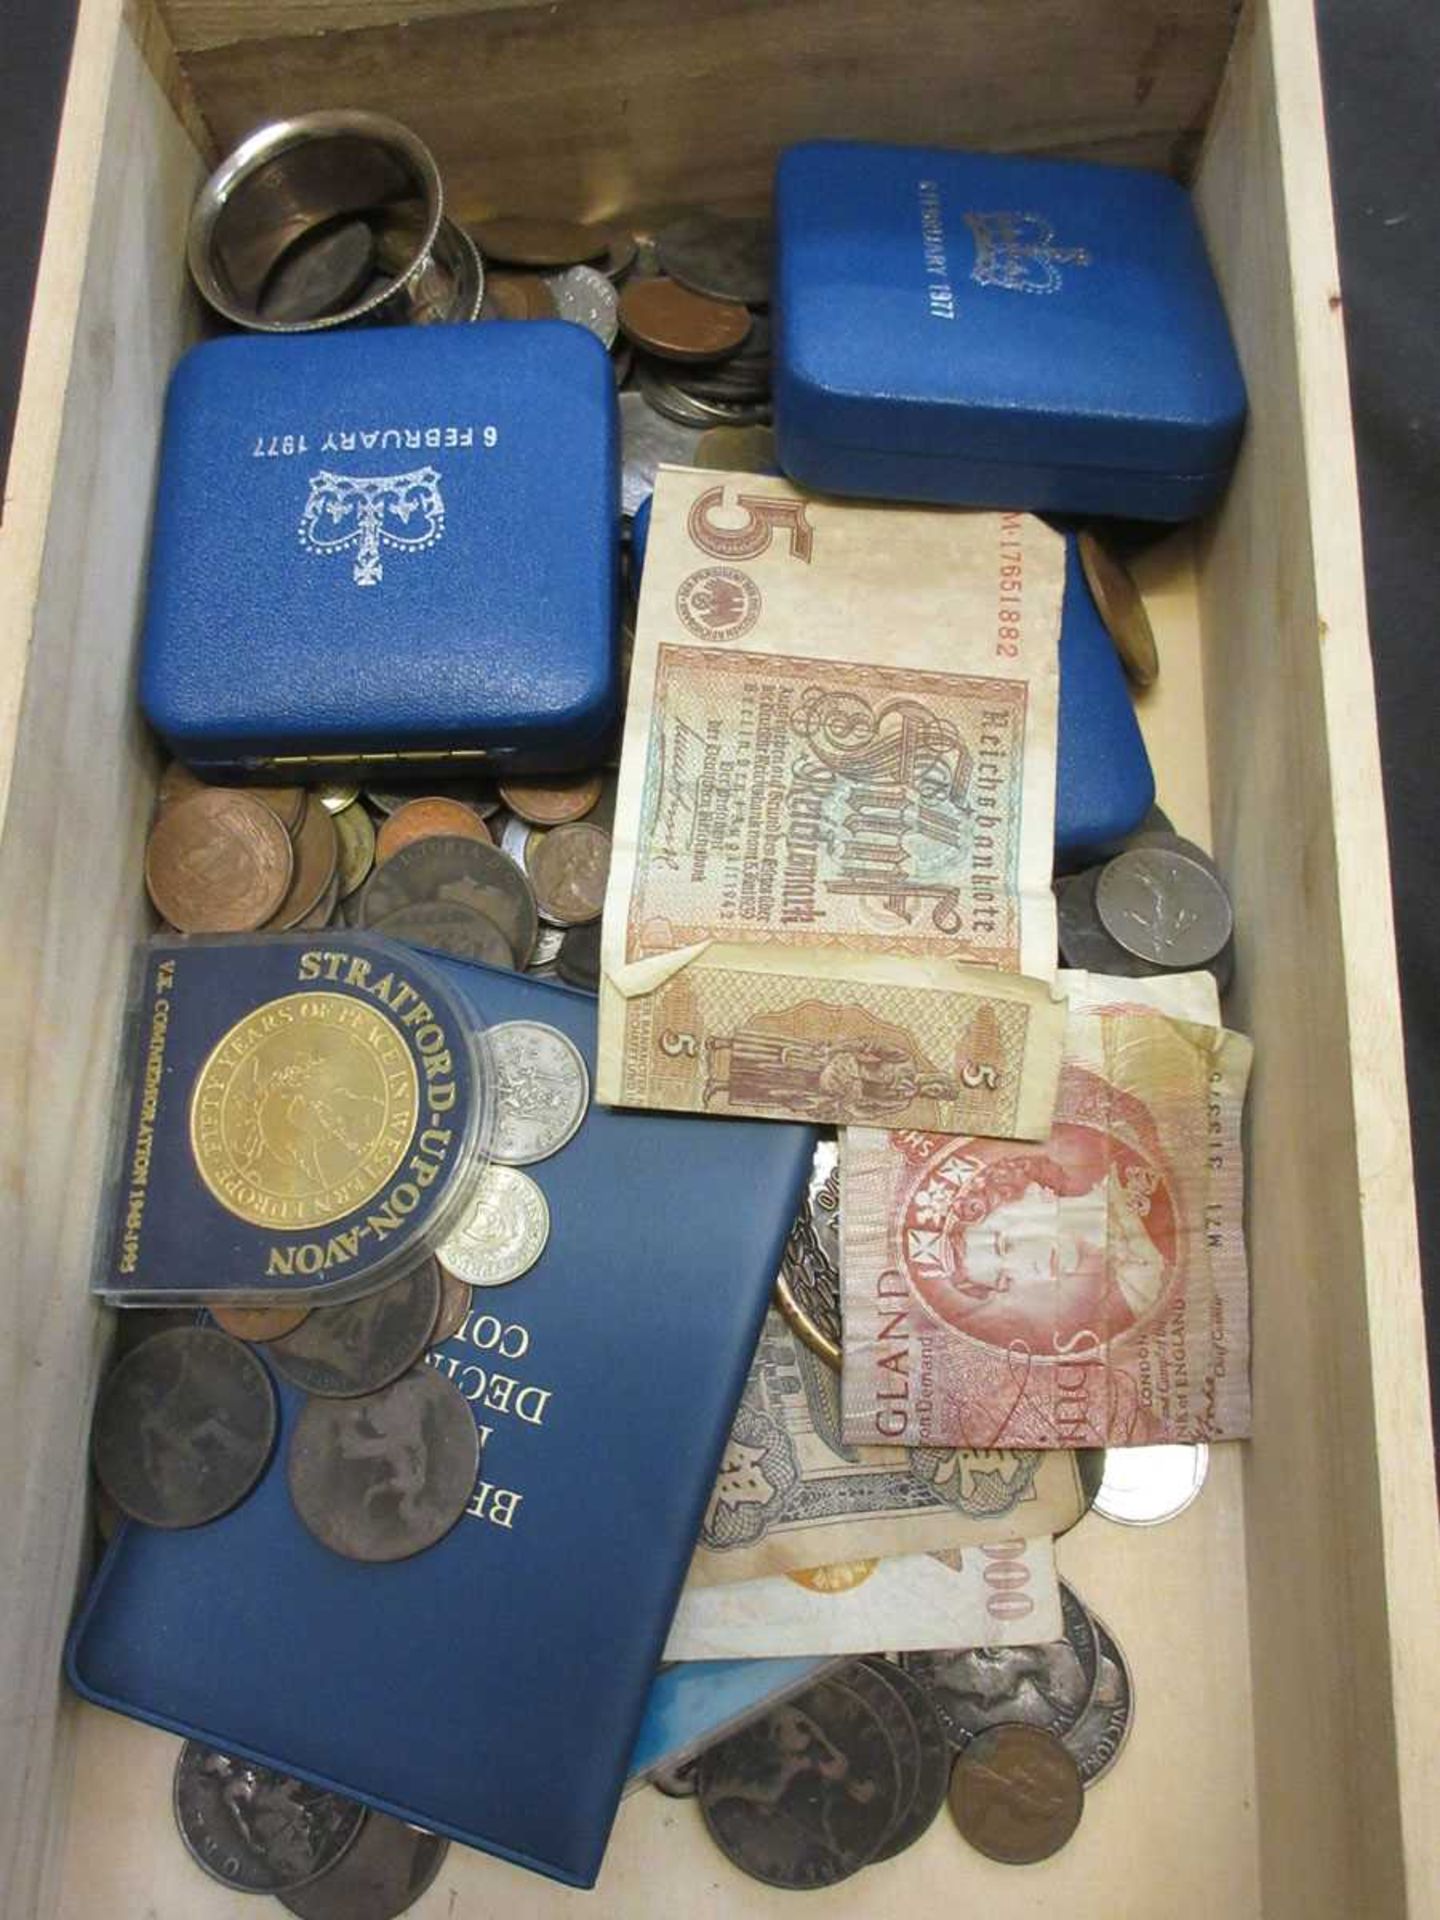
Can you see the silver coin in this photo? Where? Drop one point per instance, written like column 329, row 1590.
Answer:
column 383, row 1874
column 588, row 299
column 1047, row 1686
column 1164, row 907
column 1102, row 1730
column 1144, row 1485
column 501, row 1234
column 449, row 867
column 648, row 441
column 342, row 1352
column 723, row 256
column 677, row 403
column 542, row 1091
column 383, row 1477
column 1083, row 941
column 1149, row 836
column 256, row 1830
column 547, row 949
column 515, row 841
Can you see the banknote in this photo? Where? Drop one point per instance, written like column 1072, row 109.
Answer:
column 791, row 1495
column 840, row 743
column 1002, row 1594
column 881, row 1041
column 1091, row 1291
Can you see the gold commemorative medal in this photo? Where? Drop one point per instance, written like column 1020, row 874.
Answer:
column 307, row 1115
column 304, row 1110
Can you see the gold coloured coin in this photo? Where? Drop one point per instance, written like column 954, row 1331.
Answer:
column 259, row 1323
column 737, row 450
column 304, row 1110
column 1117, row 599
column 356, row 838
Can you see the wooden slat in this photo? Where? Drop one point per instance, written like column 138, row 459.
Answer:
column 111, row 313
column 587, row 106
column 1343, row 1551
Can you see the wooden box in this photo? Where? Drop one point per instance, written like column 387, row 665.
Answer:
column 1285, row 1757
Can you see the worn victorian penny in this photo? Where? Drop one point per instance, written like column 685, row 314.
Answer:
column 552, row 803
column 256, row 1830
column 386, row 1475
column 450, row 928
column 183, row 1427
column 358, row 1348
column 671, row 321
column 933, row 1755
column 804, row 1795
column 421, row 819
column 1102, row 1730
column 725, row 256
column 1016, row 1794
column 383, row 1874
column 568, row 869
column 218, row 861
column 450, row 868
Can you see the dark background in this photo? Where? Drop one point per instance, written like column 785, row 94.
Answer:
column 1382, row 74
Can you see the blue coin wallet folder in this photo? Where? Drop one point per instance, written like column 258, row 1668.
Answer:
column 988, row 330
column 388, row 545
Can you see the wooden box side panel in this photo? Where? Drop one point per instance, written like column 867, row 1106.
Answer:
column 81, row 780
column 587, row 106
column 1343, row 1559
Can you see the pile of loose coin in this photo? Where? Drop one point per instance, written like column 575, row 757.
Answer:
column 513, row 876
column 322, row 1856
column 853, row 1770
column 1159, row 906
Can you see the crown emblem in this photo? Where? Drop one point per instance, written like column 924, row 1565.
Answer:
column 371, row 512
column 1017, row 251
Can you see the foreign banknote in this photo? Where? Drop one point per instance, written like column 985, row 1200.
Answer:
column 1091, row 1291
column 835, row 819
column 792, row 1495
column 1003, row 1594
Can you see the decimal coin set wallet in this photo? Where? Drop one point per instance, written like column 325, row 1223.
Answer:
column 388, row 545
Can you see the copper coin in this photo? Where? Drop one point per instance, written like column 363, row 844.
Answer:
column 517, row 296
column 323, row 912
column 669, row 320
column 420, row 819
column 1117, row 600
column 218, row 861
column 553, row 803
column 286, row 803
column 568, row 870
column 523, row 242
column 259, row 1323
column 454, row 1305
column 1016, row 1794
column 317, row 855
column 617, row 244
